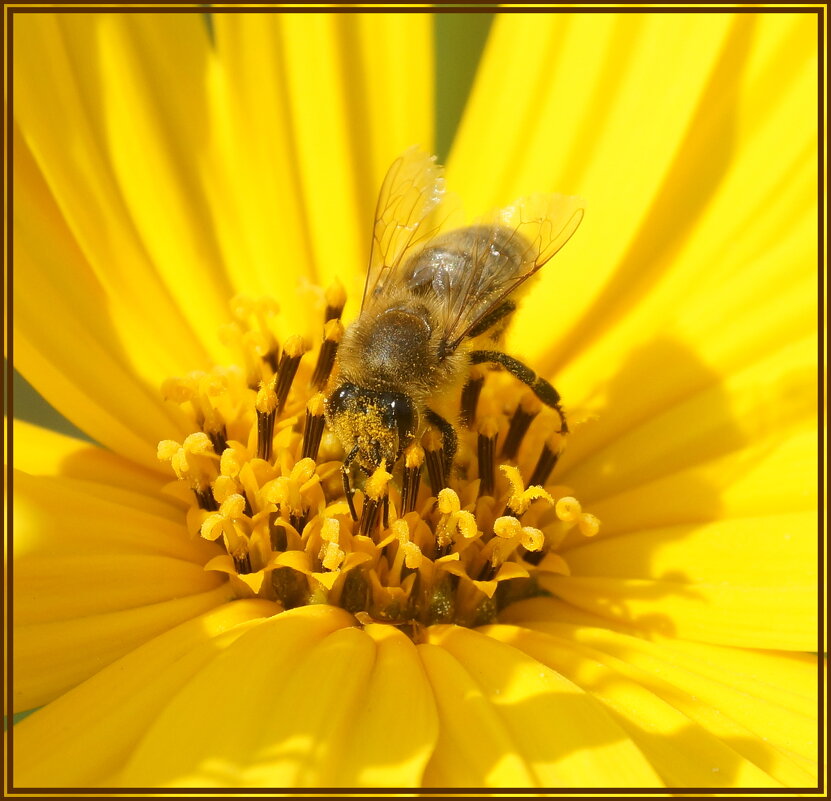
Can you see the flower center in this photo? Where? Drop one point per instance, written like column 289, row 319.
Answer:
column 263, row 474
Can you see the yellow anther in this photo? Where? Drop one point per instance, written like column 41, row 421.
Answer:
column 412, row 555
column 401, row 530
column 212, row 385
column 178, row 390
column 448, row 502
column 276, row 491
column 333, row 331
column 335, row 295
column 266, row 401
column 256, row 342
column 376, row 485
column 211, row 528
column 315, row 405
column 303, row 471
column 330, row 530
column 332, row 556
column 295, row 347
column 233, row 507
column 242, row 306
column 507, row 527
column 532, row 539
column 588, row 524
column 179, row 463
column 198, row 444
column 520, row 498
column 167, row 449
column 414, row 456
column 224, row 487
column 466, row 524
column 568, row 509
column 231, row 462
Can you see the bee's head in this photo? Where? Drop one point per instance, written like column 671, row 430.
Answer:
column 380, row 424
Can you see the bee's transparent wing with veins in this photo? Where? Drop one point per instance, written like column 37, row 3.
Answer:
column 412, row 189
column 538, row 226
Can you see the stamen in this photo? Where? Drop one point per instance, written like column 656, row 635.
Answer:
column 588, row 524
column 375, row 490
column 486, row 451
column 434, row 455
column 335, row 301
column 551, row 452
column 521, row 497
column 332, row 335
column 470, row 396
column 293, row 351
column 313, row 428
column 266, row 406
column 413, row 461
column 568, row 509
column 529, row 407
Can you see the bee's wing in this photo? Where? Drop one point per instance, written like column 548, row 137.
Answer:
column 538, row 226
column 411, row 190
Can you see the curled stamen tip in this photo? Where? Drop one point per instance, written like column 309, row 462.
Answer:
column 414, row 456
column 401, row 529
column 332, row 556
column 532, row 538
column 507, row 527
column 315, row 405
column 233, row 506
column 295, row 346
column 224, row 487
column 303, row 470
column 266, row 399
column 376, row 484
column 568, row 509
column 335, row 294
column 449, row 502
column 412, row 555
column 167, row 449
column 198, row 443
column 333, row 331
column 330, row 530
column 466, row 523
column 230, row 463
column 588, row 524
column 178, row 390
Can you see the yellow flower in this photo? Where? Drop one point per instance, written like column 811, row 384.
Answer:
column 161, row 172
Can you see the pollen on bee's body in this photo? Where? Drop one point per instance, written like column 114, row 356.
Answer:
column 264, row 470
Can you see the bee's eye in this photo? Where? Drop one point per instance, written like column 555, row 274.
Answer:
column 405, row 416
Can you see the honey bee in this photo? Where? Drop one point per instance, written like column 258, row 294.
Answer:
column 433, row 305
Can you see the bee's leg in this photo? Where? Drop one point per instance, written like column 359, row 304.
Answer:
column 539, row 386
column 449, row 439
column 490, row 320
column 347, row 486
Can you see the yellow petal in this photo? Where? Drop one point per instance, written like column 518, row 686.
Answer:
column 673, row 733
column 85, row 736
column 751, row 482
column 332, row 104
column 531, row 703
column 474, row 747
column 41, row 452
column 50, row 658
column 71, row 518
column 748, row 582
column 87, row 195
column 761, row 706
column 77, row 360
column 379, row 751
column 286, row 692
